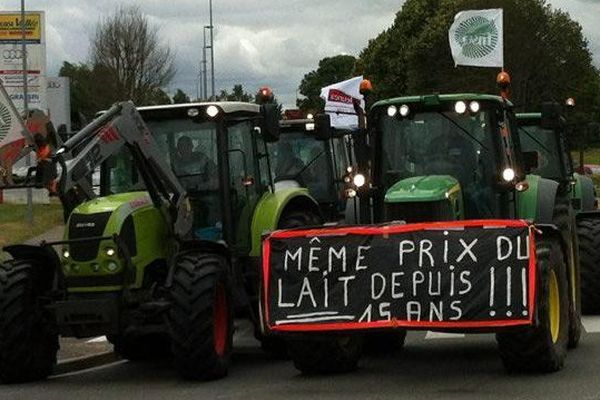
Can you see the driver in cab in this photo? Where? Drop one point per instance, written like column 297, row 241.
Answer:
column 194, row 169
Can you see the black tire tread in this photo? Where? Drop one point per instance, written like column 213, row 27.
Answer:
column 334, row 355
column 28, row 332
column 588, row 232
column 191, row 316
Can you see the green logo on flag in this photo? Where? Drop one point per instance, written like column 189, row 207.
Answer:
column 477, row 36
column 5, row 121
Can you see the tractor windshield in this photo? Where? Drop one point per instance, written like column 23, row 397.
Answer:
column 441, row 143
column 545, row 143
column 297, row 156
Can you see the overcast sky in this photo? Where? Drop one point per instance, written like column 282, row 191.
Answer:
column 257, row 42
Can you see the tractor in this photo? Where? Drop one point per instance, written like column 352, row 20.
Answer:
column 443, row 167
column 322, row 160
column 165, row 257
column 544, row 138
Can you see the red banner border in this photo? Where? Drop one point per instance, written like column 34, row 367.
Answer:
column 391, row 229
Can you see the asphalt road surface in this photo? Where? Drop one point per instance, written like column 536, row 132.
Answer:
column 431, row 366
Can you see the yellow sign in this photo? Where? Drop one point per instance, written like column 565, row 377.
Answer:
column 10, row 27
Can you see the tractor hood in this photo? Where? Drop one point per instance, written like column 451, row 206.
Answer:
column 422, row 189
column 125, row 201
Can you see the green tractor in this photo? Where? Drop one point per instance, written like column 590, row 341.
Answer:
column 436, row 161
column 167, row 255
column 321, row 160
column 544, row 138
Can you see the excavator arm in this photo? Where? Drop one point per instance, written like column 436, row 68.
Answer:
column 121, row 126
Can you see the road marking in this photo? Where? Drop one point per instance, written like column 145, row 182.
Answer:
column 99, row 339
column 591, row 324
column 442, row 335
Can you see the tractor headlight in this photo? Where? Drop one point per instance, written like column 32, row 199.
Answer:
column 193, row 112
column 110, row 251
column 112, row 266
column 65, row 253
column 350, row 193
column 508, row 174
column 359, row 180
column 474, row 106
column 404, row 110
column 460, row 107
column 212, row 111
column 391, row 111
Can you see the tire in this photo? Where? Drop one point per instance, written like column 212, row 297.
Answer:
column 326, row 355
column 588, row 232
column 142, row 348
column 564, row 219
column 28, row 331
column 385, row 342
column 277, row 347
column 201, row 316
column 543, row 346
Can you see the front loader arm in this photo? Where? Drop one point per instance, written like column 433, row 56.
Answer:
column 122, row 126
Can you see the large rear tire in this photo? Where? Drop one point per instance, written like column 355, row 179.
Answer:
column 326, row 355
column 201, row 316
column 28, row 332
column 385, row 342
column 588, row 232
column 542, row 347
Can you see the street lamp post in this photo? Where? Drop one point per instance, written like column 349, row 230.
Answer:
column 29, row 215
column 205, row 75
column 212, row 52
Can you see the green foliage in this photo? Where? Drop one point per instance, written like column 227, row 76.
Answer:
column 330, row 70
column 545, row 53
column 180, row 97
column 237, row 94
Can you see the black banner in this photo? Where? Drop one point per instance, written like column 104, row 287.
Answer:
column 455, row 274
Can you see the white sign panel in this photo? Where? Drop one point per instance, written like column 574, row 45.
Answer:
column 340, row 101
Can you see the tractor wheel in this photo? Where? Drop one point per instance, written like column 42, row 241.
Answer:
column 326, row 355
column 385, row 342
column 28, row 332
column 201, row 316
column 277, row 347
column 542, row 347
column 588, row 231
column 564, row 219
column 142, row 347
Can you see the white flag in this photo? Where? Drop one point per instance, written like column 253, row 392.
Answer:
column 476, row 38
column 340, row 101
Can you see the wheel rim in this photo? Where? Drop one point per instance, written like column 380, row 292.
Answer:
column 220, row 321
column 554, row 307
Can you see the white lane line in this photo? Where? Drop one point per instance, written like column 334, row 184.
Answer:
column 443, row 335
column 99, row 339
column 591, row 324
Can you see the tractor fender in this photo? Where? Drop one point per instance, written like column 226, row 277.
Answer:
column 46, row 262
column 271, row 207
column 537, row 203
column 584, row 193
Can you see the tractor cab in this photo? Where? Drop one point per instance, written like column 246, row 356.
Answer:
column 218, row 153
column 444, row 157
column 301, row 158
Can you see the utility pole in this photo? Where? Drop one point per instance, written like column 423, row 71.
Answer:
column 204, row 73
column 29, row 215
column 212, row 51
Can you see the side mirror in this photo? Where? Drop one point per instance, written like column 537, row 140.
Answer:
column 322, row 127
column 270, row 122
column 531, row 160
column 551, row 112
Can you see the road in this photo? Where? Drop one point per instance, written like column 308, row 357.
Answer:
column 431, row 366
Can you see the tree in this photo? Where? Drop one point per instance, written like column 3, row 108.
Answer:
column 126, row 45
column 180, row 97
column 545, row 53
column 330, row 70
column 237, row 94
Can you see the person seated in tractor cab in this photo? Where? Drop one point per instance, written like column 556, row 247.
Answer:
column 288, row 164
column 195, row 169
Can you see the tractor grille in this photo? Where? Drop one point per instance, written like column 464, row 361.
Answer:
column 419, row 212
column 85, row 226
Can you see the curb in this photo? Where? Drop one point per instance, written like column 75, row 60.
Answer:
column 85, row 362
